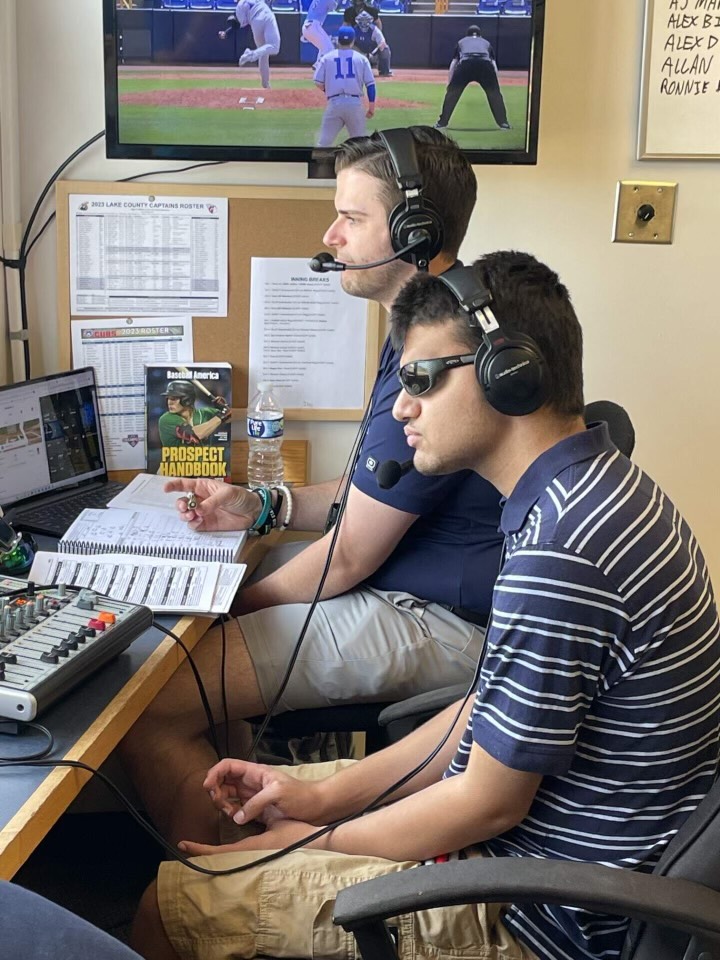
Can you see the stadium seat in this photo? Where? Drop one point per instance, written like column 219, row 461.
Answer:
column 285, row 6
column 202, row 4
column 392, row 6
column 174, row 4
column 489, row 8
column 517, row 8
column 228, row 5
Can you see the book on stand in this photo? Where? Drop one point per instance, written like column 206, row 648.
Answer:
column 188, row 409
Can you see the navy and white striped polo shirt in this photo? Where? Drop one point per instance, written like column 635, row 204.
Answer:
column 602, row 673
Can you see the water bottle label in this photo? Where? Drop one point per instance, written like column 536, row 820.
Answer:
column 265, row 429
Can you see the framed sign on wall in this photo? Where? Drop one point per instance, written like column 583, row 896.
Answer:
column 680, row 94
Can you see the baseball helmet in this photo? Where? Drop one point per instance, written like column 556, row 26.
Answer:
column 473, row 30
column 182, row 389
column 346, row 34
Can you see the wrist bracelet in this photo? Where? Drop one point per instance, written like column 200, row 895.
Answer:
column 282, row 489
column 265, row 510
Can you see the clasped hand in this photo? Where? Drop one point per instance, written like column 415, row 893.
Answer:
column 218, row 505
column 248, row 792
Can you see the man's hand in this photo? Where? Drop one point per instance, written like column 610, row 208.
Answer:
column 219, row 505
column 370, row 111
column 281, row 833
column 222, row 34
column 248, row 791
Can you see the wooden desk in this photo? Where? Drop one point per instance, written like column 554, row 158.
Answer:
column 87, row 725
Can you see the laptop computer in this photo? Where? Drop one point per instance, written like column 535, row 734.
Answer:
column 52, row 458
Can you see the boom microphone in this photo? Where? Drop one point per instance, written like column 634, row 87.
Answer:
column 325, row 262
column 390, row 471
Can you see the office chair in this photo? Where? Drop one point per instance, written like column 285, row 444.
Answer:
column 385, row 723
column 675, row 910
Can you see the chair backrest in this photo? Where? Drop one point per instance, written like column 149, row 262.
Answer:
column 488, row 7
column 516, row 8
column 202, row 4
column 693, row 854
column 622, row 432
column 225, row 5
column 175, row 4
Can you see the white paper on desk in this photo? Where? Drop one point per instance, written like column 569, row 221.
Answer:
column 118, row 350
column 145, row 492
column 148, row 255
column 307, row 336
column 177, row 586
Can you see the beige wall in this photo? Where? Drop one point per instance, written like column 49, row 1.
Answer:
column 652, row 327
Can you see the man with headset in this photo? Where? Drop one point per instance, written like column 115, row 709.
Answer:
column 408, row 591
column 595, row 726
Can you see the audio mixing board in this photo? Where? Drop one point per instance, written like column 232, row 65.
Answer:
column 51, row 638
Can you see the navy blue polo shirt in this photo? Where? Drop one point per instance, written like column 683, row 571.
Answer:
column 451, row 554
column 602, row 673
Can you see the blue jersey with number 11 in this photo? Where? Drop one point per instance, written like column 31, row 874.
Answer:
column 344, row 72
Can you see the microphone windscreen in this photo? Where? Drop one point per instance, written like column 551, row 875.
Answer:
column 390, row 471
column 388, row 474
column 320, row 262
column 620, row 428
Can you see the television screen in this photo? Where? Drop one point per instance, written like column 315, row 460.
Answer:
column 288, row 80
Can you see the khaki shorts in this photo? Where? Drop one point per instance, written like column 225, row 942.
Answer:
column 364, row 645
column 284, row 909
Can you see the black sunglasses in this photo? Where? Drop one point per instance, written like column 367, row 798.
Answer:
column 419, row 376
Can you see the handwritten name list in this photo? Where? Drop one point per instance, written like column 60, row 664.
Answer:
column 682, row 77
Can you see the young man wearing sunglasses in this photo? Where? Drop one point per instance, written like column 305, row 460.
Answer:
column 593, row 732
column 408, row 591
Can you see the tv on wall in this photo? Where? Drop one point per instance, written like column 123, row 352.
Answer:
column 183, row 80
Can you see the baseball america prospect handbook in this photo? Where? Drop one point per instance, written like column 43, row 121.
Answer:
column 188, row 409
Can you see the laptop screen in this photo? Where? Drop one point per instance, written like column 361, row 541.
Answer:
column 50, row 435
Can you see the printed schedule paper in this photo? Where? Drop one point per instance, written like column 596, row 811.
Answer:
column 146, row 255
column 307, row 336
column 165, row 586
column 118, row 350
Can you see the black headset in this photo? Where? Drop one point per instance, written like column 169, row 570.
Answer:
column 510, row 369
column 414, row 215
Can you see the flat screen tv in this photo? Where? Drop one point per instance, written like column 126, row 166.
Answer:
column 175, row 89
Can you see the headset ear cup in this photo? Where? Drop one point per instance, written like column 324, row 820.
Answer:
column 511, row 375
column 416, row 214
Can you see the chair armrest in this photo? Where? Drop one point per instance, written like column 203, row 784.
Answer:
column 666, row 901
column 431, row 702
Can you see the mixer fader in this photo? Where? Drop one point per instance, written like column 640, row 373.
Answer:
column 51, row 638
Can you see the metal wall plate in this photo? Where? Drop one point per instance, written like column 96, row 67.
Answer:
column 644, row 212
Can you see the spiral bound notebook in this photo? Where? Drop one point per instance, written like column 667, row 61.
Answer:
column 149, row 534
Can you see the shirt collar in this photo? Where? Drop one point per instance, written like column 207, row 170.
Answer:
column 541, row 472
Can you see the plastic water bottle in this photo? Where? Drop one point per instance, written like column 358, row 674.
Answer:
column 265, row 426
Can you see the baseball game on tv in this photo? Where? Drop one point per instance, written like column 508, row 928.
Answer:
column 291, row 79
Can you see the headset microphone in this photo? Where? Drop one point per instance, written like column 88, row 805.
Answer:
column 325, row 262
column 390, row 471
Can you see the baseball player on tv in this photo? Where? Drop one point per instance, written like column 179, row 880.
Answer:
column 342, row 75
column 257, row 15
column 313, row 30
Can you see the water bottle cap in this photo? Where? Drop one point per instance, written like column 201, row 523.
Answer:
column 265, row 386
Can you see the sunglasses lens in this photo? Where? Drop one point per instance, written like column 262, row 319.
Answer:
column 416, row 378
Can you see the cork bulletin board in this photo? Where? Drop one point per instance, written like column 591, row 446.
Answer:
column 263, row 222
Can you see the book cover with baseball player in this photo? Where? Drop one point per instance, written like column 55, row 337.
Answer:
column 187, row 410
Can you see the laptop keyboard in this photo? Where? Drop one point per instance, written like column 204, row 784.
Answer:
column 54, row 518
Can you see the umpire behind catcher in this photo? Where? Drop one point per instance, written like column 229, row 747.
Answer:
column 474, row 62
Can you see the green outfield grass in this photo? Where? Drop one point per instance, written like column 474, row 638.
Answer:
column 471, row 125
